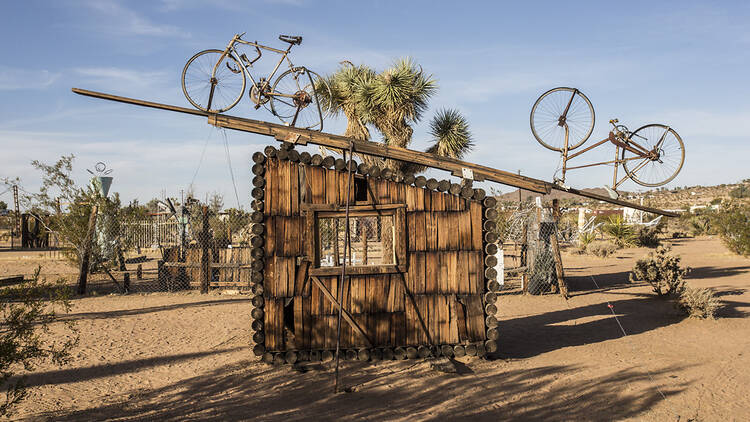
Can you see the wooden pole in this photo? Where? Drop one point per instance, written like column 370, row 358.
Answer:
column 556, row 251
column 84, row 270
column 343, row 268
column 205, row 250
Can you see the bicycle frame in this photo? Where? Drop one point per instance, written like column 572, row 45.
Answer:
column 621, row 141
column 231, row 51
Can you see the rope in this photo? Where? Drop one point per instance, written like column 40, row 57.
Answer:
column 229, row 162
column 343, row 268
column 625, row 334
column 200, row 162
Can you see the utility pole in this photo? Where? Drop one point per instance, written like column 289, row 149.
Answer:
column 18, row 214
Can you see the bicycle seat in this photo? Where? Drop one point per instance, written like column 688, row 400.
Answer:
column 291, row 39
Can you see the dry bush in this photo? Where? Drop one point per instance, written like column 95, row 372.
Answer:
column 661, row 270
column 601, row 249
column 698, row 302
column 584, row 240
column 733, row 225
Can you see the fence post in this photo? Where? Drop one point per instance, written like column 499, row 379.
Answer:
column 83, row 274
column 205, row 260
column 556, row 251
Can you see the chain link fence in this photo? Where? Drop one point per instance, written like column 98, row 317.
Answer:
column 526, row 233
column 371, row 240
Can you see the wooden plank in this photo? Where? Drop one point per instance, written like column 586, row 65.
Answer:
column 442, row 271
column 475, row 210
column 458, row 310
column 400, row 235
column 294, row 201
column 269, row 277
column 452, row 337
column 298, row 321
column 419, row 199
column 432, row 268
column 359, row 270
column 317, row 185
column 474, row 317
column 307, row 322
column 344, row 313
column 411, row 237
column 438, row 201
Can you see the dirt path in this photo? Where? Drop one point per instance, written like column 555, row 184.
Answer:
column 185, row 357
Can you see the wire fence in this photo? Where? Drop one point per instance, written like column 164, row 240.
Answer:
column 371, row 240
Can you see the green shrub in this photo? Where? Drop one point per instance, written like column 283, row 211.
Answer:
column 733, row 225
column 698, row 302
column 661, row 270
column 584, row 239
column 621, row 232
column 601, row 249
column 701, row 224
column 648, row 236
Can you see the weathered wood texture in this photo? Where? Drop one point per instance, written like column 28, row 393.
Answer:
column 438, row 248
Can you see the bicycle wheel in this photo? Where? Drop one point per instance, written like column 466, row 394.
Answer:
column 666, row 159
column 547, row 118
column 197, row 84
column 295, row 101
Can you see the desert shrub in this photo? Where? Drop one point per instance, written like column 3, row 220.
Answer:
column 698, row 302
column 648, row 236
column 678, row 235
column 701, row 224
column 26, row 311
column 741, row 191
column 601, row 249
column 584, row 239
column 733, row 225
column 621, row 232
column 662, row 270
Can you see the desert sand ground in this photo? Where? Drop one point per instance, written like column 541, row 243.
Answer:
column 186, row 357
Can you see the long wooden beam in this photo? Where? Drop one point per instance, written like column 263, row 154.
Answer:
column 303, row 136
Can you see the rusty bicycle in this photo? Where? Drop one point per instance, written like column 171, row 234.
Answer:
column 562, row 119
column 214, row 81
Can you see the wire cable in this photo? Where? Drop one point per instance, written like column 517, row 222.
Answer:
column 229, row 163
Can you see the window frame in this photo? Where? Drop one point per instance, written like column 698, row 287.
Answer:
column 315, row 211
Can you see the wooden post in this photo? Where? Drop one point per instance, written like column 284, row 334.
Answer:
column 556, row 252
column 126, row 282
column 84, row 270
column 139, row 272
column 205, row 259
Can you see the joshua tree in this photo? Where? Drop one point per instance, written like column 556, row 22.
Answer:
column 391, row 101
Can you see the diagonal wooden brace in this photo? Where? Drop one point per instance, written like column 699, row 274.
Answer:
column 347, row 316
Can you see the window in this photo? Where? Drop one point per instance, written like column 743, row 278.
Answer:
column 371, row 240
column 377, row 240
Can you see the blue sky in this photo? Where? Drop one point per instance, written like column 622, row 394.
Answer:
column 680, row 63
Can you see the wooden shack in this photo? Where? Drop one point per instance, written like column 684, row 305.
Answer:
column 419, row 271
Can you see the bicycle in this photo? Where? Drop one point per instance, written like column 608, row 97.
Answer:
column 214, row 81
column 651, row 156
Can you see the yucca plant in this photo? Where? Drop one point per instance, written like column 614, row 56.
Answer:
column 391, row 101
column 621, row 232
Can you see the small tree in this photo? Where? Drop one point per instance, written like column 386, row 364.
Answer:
column 620, row 231
column 733, row 225
column 662, row 271
column 27, row 310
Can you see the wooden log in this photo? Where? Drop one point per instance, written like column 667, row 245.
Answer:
column 257, row 193
column 443, row 185
column 493, row 333
column 386, row 173
column 278, row 358
column 291, row 356
column 257, row 278
column 411, row 352
column 259, row 337
column 257, row 217
column 315, row 356
column 257, row 205
column 490, row 273
column 490, row 237
column 258, row 169
column 490, row 309
column 454, row 189
column 471, row 349
column 303, row 355
column 493, row 286
column 326, row 356
column 363, row 355
column 490, row 202
column 490, row 213
column 328, row 162
column 479, row 194
column 270, row 151
column 339, row 164
column 489, row 226
column 490, row 249
column 490, row 346
column 316, row 160
column 257, row 301
column 491, row 321
column 257, row 325
column 481, row 350
column 259, row 181
column 362, row 169
column 432, row 184
column 376, row 355
column 446, row 350
column 268, row 357
column 350, row 354
column 286, row 146
column 388, row 353
column 467, row 192
column 459, row 351
column 259, row 350
column 257, row 241
column 282, row 154
column 399, row 353
column 373, row 171
column 259, row 158
column 409, row 179
column 420, row 181
column 257, row 229
column 257, row 313
column 139, row 272
column 490, row 261
column 305, row 157
column 293, row 156
column 424, row 351
column 490, row 297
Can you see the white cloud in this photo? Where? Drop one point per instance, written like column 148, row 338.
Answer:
column 12, row 79
column 117, row 19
